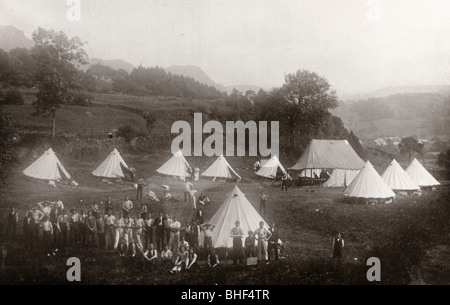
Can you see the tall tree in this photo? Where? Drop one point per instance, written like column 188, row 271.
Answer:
column 56, row 58
column 301, row 105
column 409, row 145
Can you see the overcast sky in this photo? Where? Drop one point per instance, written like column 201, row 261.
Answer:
column 259, row 41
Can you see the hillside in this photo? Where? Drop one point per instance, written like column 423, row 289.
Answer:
column 115, row 64
column 410, row 114
column 196, row 73
column 393, row 90
column 11, row 38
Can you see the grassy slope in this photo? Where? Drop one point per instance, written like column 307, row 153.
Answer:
column 306, row 219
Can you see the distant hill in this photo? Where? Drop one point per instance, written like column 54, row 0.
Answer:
column 115, row 64
column 11, row 38
column 199, row 75
column 408, row 114
column 195, row 73
column 392, row 90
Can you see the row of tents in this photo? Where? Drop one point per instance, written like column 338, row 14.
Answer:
column 347, row 169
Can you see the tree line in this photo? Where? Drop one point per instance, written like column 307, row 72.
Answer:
column 301, row 105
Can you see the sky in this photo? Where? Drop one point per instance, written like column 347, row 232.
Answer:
column 358, row 45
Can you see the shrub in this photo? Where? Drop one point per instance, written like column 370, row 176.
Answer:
column 13, row 97
column 128, row 133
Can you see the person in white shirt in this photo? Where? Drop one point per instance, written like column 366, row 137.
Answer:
column 166, row 253
column 138, row 231
column 74, row 227
column 174, row 234
column 188, row 187
column 262, row 234
column 47, row 232
column 119, row 225
column 109, row 220
column 127, row 239
column 127, row 205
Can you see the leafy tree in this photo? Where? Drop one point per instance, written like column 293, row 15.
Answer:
column 55, row 56
column 409, row 145
column 301, row 105
column 5, row 66
column 22, row 64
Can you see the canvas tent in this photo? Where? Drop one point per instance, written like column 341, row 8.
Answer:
column 341, row 178
column 220, row 169
column 398, row 179
column 176, row 166
column 420, row 175
column 235, row 207
column 47, row 167
column 368, row 184
column 270, row 168
column 111, row 167
column 329, row 154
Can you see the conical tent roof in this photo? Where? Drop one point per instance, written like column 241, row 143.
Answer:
column 329, row 154
column 46, row 167
column 111, row 167
column 235, row 207
column 397, row 178
column 420, row 175
column 176, row 166
column 270, row 168
column 341, row 177
column 368, row 184
column 220, row 169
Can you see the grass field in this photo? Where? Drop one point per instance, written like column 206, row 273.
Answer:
column 411, row 236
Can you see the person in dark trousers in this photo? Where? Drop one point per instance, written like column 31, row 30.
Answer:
column 250, row 249
column 338, row 245
column 237, row 234
column 13, row 219
column 262, row 203
column 284, row 181
column 273, row 242
column 140, row 188
column 28, row 224
column 158, row 224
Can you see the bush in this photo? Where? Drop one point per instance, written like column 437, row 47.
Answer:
column 128, row 133
column 81, row 98
column 13, row 97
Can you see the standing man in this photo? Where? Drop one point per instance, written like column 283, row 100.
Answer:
column 74, row 227
column 28, row 224
column 262, row 234
column 148, row 231
column 188, row 187
column 109, row 221
column 108, row 205
column 207, row 241
column 284, row 181
column 13, row 219
column 237, row 234
column 338, row 245
column 167, row 222
column 273, row 241
column 63, row 223
column 138, row 231
column 159, row 231
column 195, row 235
column 140, row 188
column 47, row 232
column 262, row 203
column 127, row 205
column 174, row 234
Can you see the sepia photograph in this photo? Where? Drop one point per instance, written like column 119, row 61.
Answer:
column 224, row 147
